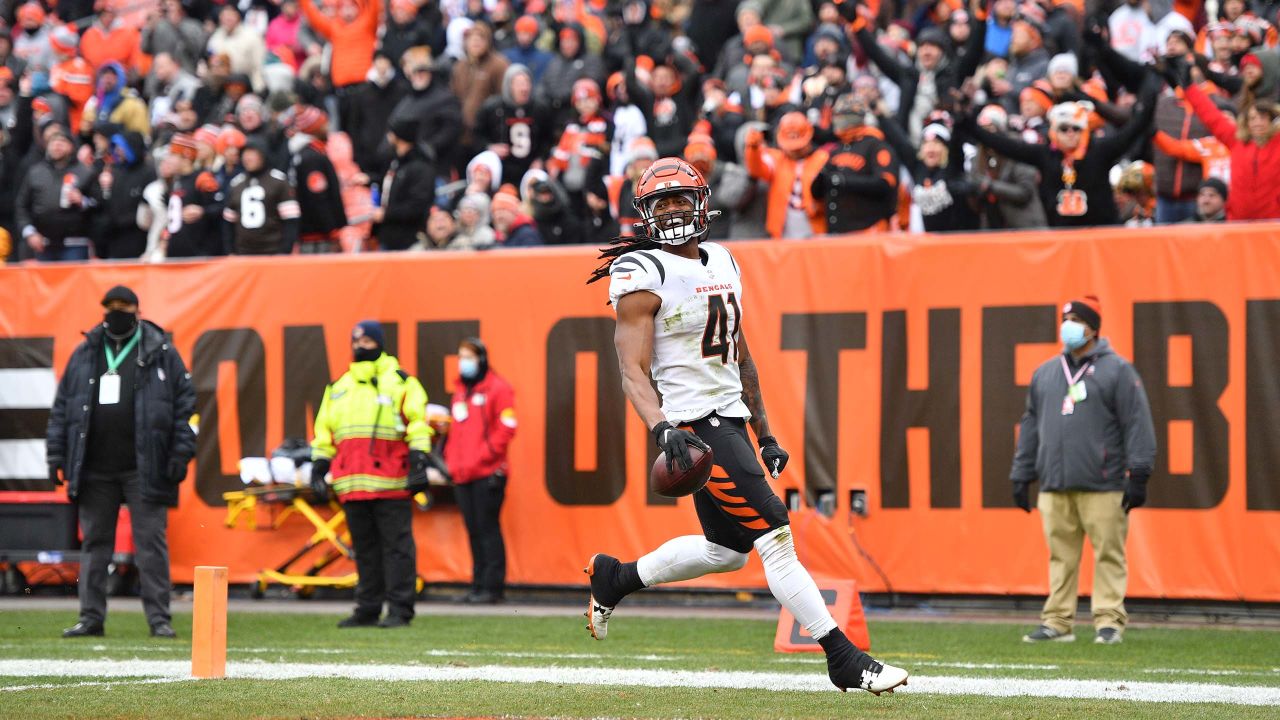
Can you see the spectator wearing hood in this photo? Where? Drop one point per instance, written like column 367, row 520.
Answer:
column 316, row 182
column 371, row 108
column 111, row 40
column 1211, row 202
column 476, row 77
column 31, row 42
column 483, row 174
column 582, row 152
column 116, row 102
column 932, row 76
column 408, row 190
column 474, row 231
column 409, row 26
column 525, row 51
column 352, row 34
column 551, row 210
column 512, row 227
column 115, row 188
column 171, row 31
column 245, row 48
column 262, row 209
column 50, row 211
column 513, row 125
column 570, row 64
column 437, row 110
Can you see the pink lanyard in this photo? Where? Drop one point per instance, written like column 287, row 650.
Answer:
column 1072, row 380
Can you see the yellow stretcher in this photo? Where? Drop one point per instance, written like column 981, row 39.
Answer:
column 331, row 536
column 286, row 501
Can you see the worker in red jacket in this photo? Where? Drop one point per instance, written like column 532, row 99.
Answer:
column 484, row 421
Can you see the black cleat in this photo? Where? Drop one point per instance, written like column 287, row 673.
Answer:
column 163, row 630
column 849, row 667
column 394, row 621
column 84, row 629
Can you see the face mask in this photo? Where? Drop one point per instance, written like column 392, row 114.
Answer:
column 468, row 367
column 367, row 354
column 120, row 323
column 1072, row 334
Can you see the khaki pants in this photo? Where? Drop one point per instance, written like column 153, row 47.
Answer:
column 1068, row 517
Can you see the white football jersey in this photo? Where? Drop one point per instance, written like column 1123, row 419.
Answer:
column 696, row 330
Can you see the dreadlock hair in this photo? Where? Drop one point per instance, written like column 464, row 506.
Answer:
column 618, row 247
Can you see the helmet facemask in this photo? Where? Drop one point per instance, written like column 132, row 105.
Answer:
column 680, row 226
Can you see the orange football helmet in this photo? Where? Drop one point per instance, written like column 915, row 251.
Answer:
column 666, row 177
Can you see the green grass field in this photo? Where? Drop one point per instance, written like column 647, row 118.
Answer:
column 557, row 654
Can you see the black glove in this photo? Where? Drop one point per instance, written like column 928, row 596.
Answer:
column 675, row 443
column 1170, row 71
column 54, row 477
column 320, row 486
column 418, row 465
column 1135, row 492
column 774, row 457
column 177, row 471
column 1022, row 494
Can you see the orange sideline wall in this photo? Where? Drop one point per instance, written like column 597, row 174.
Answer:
column 890, row 364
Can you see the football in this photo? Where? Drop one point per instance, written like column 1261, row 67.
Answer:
column 679, row 483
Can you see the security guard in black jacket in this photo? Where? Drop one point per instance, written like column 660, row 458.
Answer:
column 119, row 433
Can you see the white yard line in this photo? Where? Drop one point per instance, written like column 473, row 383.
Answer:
column 1140, row 691
column 93, row 683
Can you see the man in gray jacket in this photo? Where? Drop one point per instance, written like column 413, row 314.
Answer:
column 1087, row 435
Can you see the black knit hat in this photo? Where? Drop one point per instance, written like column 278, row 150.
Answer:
column 1087, row 309
column 1216, row 185
column 120, row 292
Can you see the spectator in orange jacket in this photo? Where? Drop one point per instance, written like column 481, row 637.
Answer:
column 109, row 39
column 72, row 76
column 353, row 35
column 789, row 169
column 484, row 422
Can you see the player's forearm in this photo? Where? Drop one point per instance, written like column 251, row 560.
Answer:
column 753, row 398
column 636, row 386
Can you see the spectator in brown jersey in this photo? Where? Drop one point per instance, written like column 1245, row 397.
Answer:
column 261, row 211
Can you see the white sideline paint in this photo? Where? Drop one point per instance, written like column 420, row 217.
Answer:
column 1139, row 691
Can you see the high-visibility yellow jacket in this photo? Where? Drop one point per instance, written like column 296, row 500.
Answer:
column 369, row 420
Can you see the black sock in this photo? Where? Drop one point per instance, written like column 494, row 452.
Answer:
column 834, row 641
column 626, row 580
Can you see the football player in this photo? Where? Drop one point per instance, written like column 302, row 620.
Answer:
column 679, row 306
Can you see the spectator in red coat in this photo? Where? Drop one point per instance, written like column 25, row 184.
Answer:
column 484, row 422
column 1255, row 153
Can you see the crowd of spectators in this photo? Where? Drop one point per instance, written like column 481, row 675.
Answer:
column 189, row 128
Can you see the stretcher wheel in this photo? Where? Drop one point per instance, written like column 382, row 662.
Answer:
column 259, row 590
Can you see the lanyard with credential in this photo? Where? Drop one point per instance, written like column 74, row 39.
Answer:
column 114, row 360
column 1066, row 372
